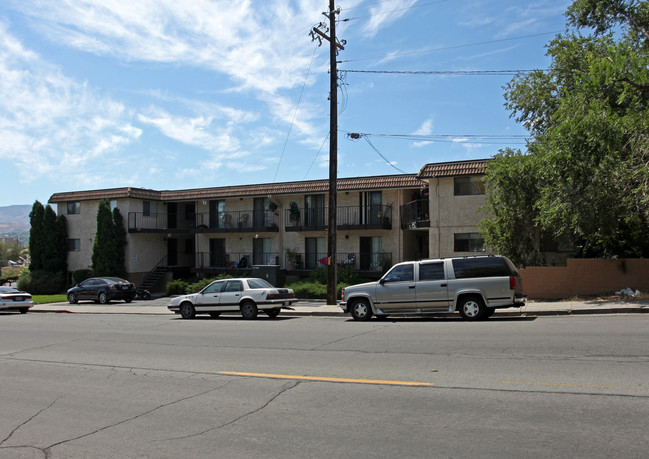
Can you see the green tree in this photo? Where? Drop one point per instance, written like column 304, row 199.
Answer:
column 36, row 236
column 49, row 240
column 61, row 250
column 120, row 242
column 588, row 116
column 104, row 250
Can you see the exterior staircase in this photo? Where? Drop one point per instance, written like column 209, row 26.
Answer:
column 154, row 276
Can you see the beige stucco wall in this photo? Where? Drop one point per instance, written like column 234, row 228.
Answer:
column 449, row 215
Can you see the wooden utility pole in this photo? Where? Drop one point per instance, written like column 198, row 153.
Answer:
column 319, row 34
column 332, row 280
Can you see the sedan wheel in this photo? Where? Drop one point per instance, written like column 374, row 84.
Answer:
column 103, row 298
column 187, row 311
column 72, row 298
column 361, row 310
column 249, row 310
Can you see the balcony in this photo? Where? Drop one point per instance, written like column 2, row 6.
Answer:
column 415, row 214
column 234, row 260
column 347, row 218
column 362, row 262
column 204, row 222
column 237, row 221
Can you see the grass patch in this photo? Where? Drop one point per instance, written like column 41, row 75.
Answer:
column 44, row 299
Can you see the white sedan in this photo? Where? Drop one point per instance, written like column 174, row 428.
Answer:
column 12, row 299
column 246, row 295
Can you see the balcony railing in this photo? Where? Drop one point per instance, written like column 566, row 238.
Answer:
column 364, row 261
column 347, row 217
column 415, row 214
column 231, row 260
column 236, row 221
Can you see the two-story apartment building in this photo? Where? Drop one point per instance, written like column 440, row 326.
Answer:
column 380, row 220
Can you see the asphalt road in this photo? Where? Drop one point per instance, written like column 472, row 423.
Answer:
column 93, row 385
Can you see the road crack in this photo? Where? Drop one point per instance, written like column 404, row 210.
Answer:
column 284, row 388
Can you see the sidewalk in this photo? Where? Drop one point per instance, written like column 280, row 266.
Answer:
column 320, row 308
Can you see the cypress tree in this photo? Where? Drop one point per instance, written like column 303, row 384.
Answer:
column 36, row 240
column 49, row 240
column 104, row 251
column 120, row 242
column 61, row 254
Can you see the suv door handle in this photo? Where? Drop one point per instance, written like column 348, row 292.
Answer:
column 444, row 285
column 411, row 286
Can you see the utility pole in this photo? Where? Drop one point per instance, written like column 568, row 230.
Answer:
column 333, row 146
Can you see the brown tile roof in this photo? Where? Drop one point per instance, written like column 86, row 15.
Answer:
column 381, row 182
column 453, row 169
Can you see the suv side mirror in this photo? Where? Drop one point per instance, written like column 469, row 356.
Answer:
column 381, row 281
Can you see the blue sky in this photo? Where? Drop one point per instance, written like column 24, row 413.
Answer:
column 165, row 94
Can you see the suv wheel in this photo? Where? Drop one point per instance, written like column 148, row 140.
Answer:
column 361, row 310
column 472, row 308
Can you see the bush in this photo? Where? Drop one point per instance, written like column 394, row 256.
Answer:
column 345, row 274
column 177, row 287
column 314, row 290
column 42, row 282
column 81, row 275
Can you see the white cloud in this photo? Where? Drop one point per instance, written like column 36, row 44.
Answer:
column 49, row 122
column 425, row 129
column 386, row 13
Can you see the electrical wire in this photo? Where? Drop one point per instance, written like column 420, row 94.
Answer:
column 445, row 72
column 288, row 134
column 316, row 156
column 390, row 163
column 449, row 47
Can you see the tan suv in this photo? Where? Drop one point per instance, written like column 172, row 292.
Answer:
column 472, row 286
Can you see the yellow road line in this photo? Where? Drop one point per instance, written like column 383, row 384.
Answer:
column 571, row 385
column 319, row 378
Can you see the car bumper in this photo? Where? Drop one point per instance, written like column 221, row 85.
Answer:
column 15, row 305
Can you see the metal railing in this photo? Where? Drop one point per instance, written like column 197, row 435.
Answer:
column 352, row 217
column 415, row 214
column 359, row 261
column 237, row 220
column 231, row 260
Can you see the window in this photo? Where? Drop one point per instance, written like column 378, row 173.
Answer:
column 216, row 287
column 467, row 268
column 113, row 204
column 234, row 286
column 431, row 271
column 315, row 252
column 468, row 242
column 74, row 208
column 403, row 273
column 466, row 186
column 74, row 245
column 149, row 208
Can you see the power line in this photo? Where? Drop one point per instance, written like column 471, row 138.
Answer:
column 294, row 114
column 449, row 47
column 444, row 72
column 486, row 139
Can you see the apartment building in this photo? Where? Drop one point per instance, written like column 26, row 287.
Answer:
column 381, row 220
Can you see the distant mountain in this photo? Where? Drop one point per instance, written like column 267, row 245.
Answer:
column 14, row 222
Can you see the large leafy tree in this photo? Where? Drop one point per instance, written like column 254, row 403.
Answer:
column 587, row 160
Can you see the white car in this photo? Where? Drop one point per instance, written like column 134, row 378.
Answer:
column 246, row 295
column 12, row 299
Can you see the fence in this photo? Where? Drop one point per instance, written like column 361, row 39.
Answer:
column 585, row 277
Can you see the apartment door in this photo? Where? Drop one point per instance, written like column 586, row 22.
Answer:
column 316, row 250
column 172, row 215
column 261, row 251
column 217, row 211
column 260, row 213
column 371, row 208
column 172, row 251
column 315, row 210
column 217, row 253
column 370, row 253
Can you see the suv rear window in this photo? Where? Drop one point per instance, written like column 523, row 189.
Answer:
column 466, row 268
